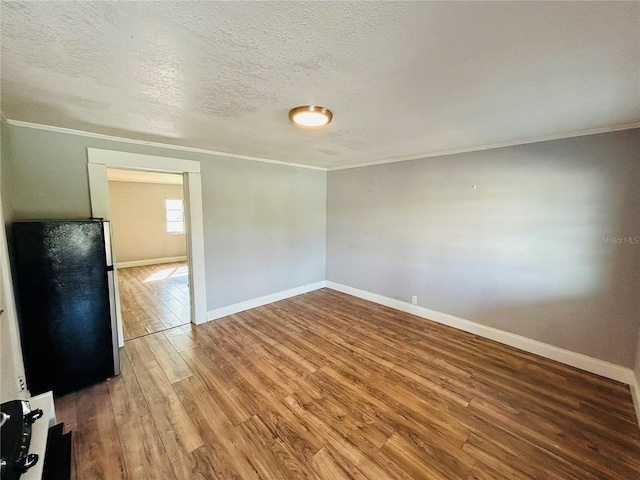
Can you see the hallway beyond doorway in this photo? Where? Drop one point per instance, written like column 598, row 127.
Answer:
column 153, row 298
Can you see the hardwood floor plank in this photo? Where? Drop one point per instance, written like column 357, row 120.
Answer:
column 176, row 430
column 371, row 466
column 370, row 461
column 73, row 462
column 218, row 432
column 200, row 464
column 480, row 471
column 301, row 355
column 327, row 467
column 408, row 413
column 293, row 375
column 520, row 455
column 542, row 432
column 66, row 411
column 273, row 458
column 286, row 375
column 225, row 396
column 424, row 462
column 144, row 454
column 99, row 453
column 168, row 357
column 179, row 339
column 126, row 396
column 291, row 431
column 262, row 375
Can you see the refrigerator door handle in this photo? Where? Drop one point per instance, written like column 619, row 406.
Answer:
column 114, row 326
column 107, row 242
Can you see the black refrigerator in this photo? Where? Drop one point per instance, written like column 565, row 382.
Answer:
column 66, row 303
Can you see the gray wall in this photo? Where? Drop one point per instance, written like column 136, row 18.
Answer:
column 264, row 223
column 523, row 252
column 6, row 173
column 265, row 228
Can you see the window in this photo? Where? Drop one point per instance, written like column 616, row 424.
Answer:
column 175, row 215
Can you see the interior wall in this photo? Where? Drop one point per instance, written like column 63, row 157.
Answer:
column 546, row 245
column 268, row 230
column 138, row 221
column 11, row 364
column 5, row 173
column 264, row 224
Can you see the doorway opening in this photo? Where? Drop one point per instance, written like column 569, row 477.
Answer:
column 100, row 160
column 149, row 241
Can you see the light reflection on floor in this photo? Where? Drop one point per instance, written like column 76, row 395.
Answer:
column 166, row 273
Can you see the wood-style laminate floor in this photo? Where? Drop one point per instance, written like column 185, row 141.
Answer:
column 153, row 298
column 327, row 386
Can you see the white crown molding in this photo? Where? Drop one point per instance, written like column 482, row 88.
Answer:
column 577, row 360
column 81, row 133
column 141, row 161
column 38, row 126
column 615, row 128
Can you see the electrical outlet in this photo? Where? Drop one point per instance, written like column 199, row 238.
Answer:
column 414, row 299
column 22, row 386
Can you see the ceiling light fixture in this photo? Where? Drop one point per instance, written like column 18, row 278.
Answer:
column 311, row 116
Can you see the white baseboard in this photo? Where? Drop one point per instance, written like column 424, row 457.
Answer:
column 151, row 261
column 635, row 394
column 578, row 360
column 258, row 302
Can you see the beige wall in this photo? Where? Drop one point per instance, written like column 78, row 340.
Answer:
column 138, row 221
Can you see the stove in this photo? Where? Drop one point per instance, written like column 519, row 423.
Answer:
column 15, row 430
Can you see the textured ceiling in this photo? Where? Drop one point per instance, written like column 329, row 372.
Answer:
column 402, row 78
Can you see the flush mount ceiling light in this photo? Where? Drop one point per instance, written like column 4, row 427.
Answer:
column 311, row 116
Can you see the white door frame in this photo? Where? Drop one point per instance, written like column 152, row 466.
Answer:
column 100, row 159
